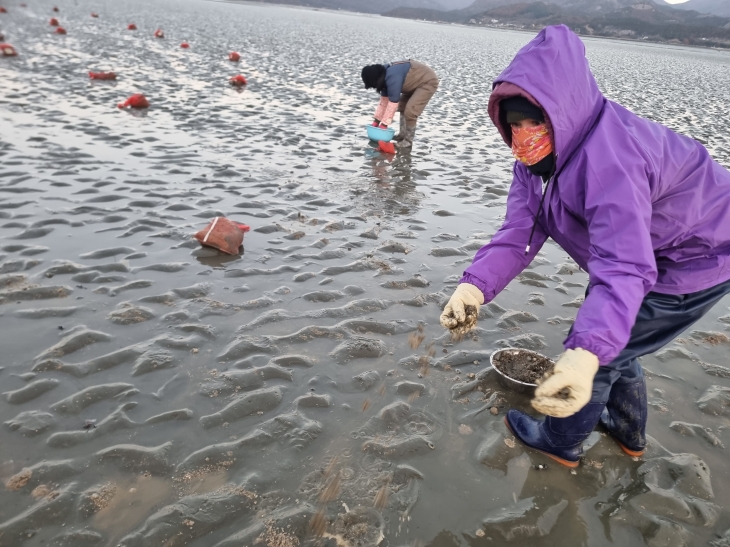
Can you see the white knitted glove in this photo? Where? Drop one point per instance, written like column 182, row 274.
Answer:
column 454, row 313
column 569, row 387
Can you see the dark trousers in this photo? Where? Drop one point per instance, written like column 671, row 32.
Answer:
column 661, row 318
column 620, row 386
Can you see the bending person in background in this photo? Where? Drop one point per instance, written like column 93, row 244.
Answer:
column 405, row 87
column 645, row 211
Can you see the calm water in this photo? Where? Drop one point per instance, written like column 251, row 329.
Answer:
column 158, row 394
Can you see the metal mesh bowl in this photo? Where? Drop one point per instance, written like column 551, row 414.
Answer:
column 511, row 383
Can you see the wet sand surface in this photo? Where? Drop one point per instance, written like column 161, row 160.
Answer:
column 158, row 394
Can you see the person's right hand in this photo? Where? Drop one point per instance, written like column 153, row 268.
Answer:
column 454, row 313
column 375, row 123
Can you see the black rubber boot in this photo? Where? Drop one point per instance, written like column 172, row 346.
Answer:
column 559, row 438
column 407, row 141
column 401, row 129
column 625, row 415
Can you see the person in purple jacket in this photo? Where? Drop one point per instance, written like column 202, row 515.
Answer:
column 645, row 211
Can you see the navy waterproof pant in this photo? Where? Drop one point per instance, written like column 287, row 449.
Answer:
column 619, row 387
column 661, row 318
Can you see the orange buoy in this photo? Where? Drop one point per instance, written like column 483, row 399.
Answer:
column 94, row 15
column 234, row 56
column 102, row 75
column 53, row 22
column 60, row 30
column 238, row 81
column 159, row 33
column 7, row 50
column 135, row 101
column 131, row 26
column 185, row 45
column 55, row 8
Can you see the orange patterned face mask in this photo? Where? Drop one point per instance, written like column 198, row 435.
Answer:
column 531, row 144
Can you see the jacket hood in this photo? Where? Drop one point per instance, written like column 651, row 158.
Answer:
column 553, row 72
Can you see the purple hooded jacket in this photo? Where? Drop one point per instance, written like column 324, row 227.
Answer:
column 637, row 206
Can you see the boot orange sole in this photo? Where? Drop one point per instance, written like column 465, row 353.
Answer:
column 629, row 452
column 561, row 461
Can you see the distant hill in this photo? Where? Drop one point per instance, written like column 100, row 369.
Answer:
column 364, row 6
column 716, row 7
column 627, row 19
column 595, row 6
column 428, row 15
column 698, row 22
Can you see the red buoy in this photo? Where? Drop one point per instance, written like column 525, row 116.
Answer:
column 53, row 22
column 94, row 15
column 7, row 50
column 3, row 10
column 60, row 30
column 102, row 75
column 386, row 147
column 159, row 33
column 238, row 81
column 131, row 26
column 234, row 56
column 185, row 45
column 135, row 101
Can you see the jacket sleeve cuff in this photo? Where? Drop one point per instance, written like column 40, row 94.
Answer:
column 487, row 291
column 605, row 354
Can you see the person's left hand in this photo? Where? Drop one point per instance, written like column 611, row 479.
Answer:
column 383, row 126
column 569, row 387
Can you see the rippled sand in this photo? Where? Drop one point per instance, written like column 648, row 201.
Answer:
column 159, row 394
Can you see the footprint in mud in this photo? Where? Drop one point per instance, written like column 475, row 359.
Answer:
column 397, row 431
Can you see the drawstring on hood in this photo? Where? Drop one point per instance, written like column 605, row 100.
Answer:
column 542, row 202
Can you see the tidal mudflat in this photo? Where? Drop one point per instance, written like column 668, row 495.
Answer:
column 155, row 393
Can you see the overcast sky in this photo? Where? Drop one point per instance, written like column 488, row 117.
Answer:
column 675, row 1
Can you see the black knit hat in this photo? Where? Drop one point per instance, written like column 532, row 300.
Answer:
column 515, row 109
column 372, row 76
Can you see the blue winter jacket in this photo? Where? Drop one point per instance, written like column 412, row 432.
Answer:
column 395, row 76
